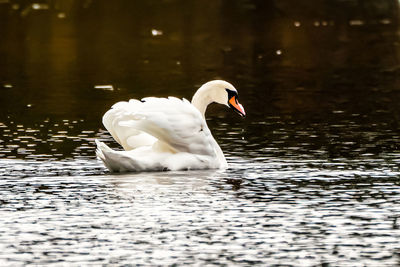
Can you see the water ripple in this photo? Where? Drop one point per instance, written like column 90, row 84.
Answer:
column 302, row 212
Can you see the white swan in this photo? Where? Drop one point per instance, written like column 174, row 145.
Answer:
column 166, row 133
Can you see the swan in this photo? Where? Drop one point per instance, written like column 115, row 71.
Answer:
column 166, row 133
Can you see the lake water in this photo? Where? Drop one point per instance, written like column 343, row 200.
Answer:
column 314, row 176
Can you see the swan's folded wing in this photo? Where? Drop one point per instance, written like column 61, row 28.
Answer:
column 175, row 123
column 129, row 138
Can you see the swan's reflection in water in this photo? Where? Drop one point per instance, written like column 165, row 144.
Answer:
column 171, row 181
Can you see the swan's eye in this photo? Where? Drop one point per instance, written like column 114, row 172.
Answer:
column 231, row 93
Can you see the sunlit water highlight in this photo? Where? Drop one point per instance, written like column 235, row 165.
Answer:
column 329, row 197
column 304, row 202
column 302, row 212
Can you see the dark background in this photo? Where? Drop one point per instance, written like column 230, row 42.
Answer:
column 316, row 75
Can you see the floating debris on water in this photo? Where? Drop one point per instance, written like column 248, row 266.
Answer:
column 356, row 22
column 156, row 32
column 104, row 87
column 61, row 15
column 40, row 6
column 385, row 21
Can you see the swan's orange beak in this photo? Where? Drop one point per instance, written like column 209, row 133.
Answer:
column 236, row 106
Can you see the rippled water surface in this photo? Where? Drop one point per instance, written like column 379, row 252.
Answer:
column 314, row 176
column 294, row 212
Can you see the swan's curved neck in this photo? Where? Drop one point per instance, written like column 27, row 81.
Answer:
column 202, row 99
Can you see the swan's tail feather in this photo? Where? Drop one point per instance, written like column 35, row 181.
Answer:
column 116, row 161
column 99, row 150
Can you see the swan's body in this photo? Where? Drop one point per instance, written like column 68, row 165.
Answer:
column 166, row 133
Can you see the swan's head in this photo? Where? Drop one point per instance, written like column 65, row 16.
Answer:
column 220, row 92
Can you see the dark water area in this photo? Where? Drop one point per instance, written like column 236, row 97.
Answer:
column 314, row 167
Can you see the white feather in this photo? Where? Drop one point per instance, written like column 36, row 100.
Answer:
column 162, row 134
